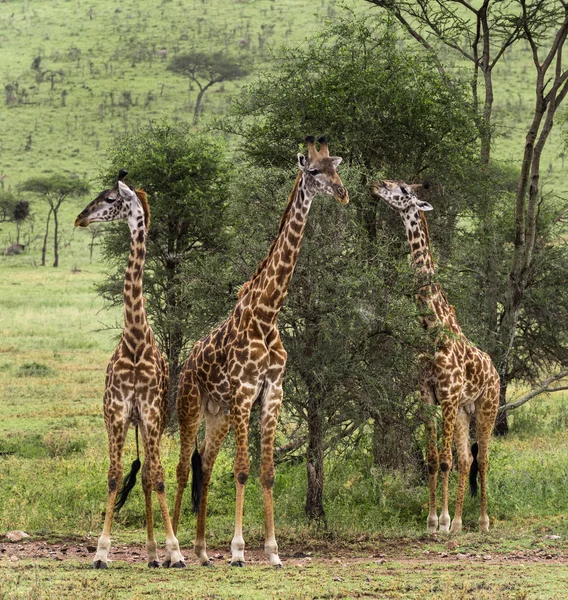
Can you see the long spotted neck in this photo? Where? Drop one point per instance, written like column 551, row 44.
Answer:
column 278, row 268
column 135, row 322
column 419, row 240
column 429, row 292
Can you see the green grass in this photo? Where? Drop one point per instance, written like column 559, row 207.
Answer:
column 419, row 580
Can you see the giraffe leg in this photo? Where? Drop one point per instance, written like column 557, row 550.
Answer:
column 449, row 412
column 151, row 438
column 242, row 468
column 432, row 459
column 486, row 415
column 189, row 418
column 151, row 546
column 116, row 430
column 268, row 422
column 461, row 438
column 217, row 428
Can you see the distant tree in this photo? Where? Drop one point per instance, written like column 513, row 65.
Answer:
column 54, row 190
column 20, row 214
column 348, row 324
column 187, row 177
column 95, row 232
column 14, row 210
column 478, row 32
column 206, row 70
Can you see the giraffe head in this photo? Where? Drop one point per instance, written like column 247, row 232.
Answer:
column 320, row 170
column 114, row 204
column 400, row 196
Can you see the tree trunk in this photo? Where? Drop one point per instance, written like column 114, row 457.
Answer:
column 198, row 106
column 314, row 457
column 55, row 239
column 44, row 247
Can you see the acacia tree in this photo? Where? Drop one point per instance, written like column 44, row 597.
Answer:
column 187, row 177
column 348, row 324
column 54, row 190
column 206, row 70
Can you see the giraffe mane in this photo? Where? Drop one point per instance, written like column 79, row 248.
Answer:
column 248, row 284
column 143, row 197
column 425, row 227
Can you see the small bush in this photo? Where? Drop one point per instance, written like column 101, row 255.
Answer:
column 34, row 369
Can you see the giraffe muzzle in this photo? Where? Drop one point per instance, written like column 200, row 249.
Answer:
column 81, row 221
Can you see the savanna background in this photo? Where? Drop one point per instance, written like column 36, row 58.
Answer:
column 206, row 104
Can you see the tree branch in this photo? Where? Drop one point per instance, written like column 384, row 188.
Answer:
column 541, row 388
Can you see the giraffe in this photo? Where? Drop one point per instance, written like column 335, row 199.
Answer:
column 459, row 376
column 243, row 361
column 136, row 379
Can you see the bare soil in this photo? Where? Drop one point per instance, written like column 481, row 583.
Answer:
column 82, row 550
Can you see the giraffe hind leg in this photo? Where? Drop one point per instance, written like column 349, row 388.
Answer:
column 461, row 439
column 486, row 414
column 189, row 418
column 151, row 546
column 151, row 439
column 268, row 423
column 217, row 427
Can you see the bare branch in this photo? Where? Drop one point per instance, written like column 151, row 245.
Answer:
column 542, row 388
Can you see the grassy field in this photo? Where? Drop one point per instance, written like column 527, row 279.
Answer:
column 55, row 341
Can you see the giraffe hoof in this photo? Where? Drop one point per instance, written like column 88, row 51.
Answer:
column 207, row 564
column 278, row 566
column 238, row 563
column 167, row 564
column 153, row 564
column 99, row 564
column 179, row 565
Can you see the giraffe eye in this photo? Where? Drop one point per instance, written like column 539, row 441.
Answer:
column 314, row 171
column 404, row 191
column 110, row 199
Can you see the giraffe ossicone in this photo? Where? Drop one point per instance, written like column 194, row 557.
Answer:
column 459, row 377
column 243, row 361
column 137, row 377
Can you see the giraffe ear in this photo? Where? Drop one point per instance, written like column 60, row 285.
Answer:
column 336, row 160
column 424, row 206
column 124, row 189
column 302, row 161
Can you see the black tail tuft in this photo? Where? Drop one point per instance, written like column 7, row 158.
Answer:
column 473, row 471
column 127, row 485
column 196, row 480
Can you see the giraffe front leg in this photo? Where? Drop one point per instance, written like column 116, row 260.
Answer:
column 116, row 430
column 449, row 412
column 242, row 469
column 431, row 457
column 461, row 438
column 268, row 422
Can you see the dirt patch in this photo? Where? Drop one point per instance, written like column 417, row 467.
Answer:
column 83, row 550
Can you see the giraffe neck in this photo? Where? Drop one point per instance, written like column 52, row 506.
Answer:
column 135, row 321
column 429, row 293
column 419, row 241
column 269, row 286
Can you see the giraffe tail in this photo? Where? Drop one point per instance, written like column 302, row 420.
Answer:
column 473, row 471
column 130, row 480
column 196, row 479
